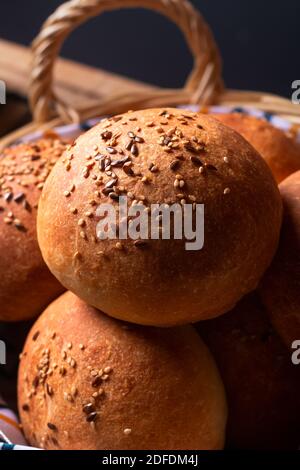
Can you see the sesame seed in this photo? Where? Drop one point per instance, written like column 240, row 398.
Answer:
column 210, row 167
column 107, row 370
column 19, row 197
column 88, row 408
column 106, row 135
column 226, row 160
column 92, row 417
column 81, row 347
column 69, row 345
column 196, row 160
column 8, row 196
column 201, row 169
column 181, row 183
column 52, row 426
column 134, row 150
column 111, row 183
column 18, row 224
column 67, row 194
column 226, row 190
column 77, row 255
column 83, row 235
column 81, row 223
column 73, row 363
column 140, row 243
column 174, row 165
column 119, row 246
column 111, row 150
column 35, row 336
column 96, row 382
column 127, row 431
column 114, row 196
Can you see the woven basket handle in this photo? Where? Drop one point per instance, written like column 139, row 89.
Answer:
column 203, row 85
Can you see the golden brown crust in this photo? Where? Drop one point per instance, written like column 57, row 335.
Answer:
column 27, row 286
column 280, row 287
column 280, row 151
column 156, row 388
column 162, row 283
column 261, row 383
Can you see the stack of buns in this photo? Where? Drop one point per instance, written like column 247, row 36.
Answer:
column 107, row 365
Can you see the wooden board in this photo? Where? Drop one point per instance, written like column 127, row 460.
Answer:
column 79, row 84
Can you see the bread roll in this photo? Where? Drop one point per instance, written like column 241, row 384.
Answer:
column 261, row 383
column 280, row 151
column 280, row 288
column 89, row 382
column 26, row 286
column 171, row 156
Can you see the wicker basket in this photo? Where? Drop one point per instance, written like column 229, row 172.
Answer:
column 203, row 87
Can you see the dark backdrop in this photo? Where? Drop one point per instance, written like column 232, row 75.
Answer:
column 258, row 40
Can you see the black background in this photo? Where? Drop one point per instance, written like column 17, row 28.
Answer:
column 259, row 41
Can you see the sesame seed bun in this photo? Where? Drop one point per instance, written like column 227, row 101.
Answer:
column 280, row 288
column 262, row 385
column 170, row 156
column 89, row 382
column 26, row 286
column 280, row 151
